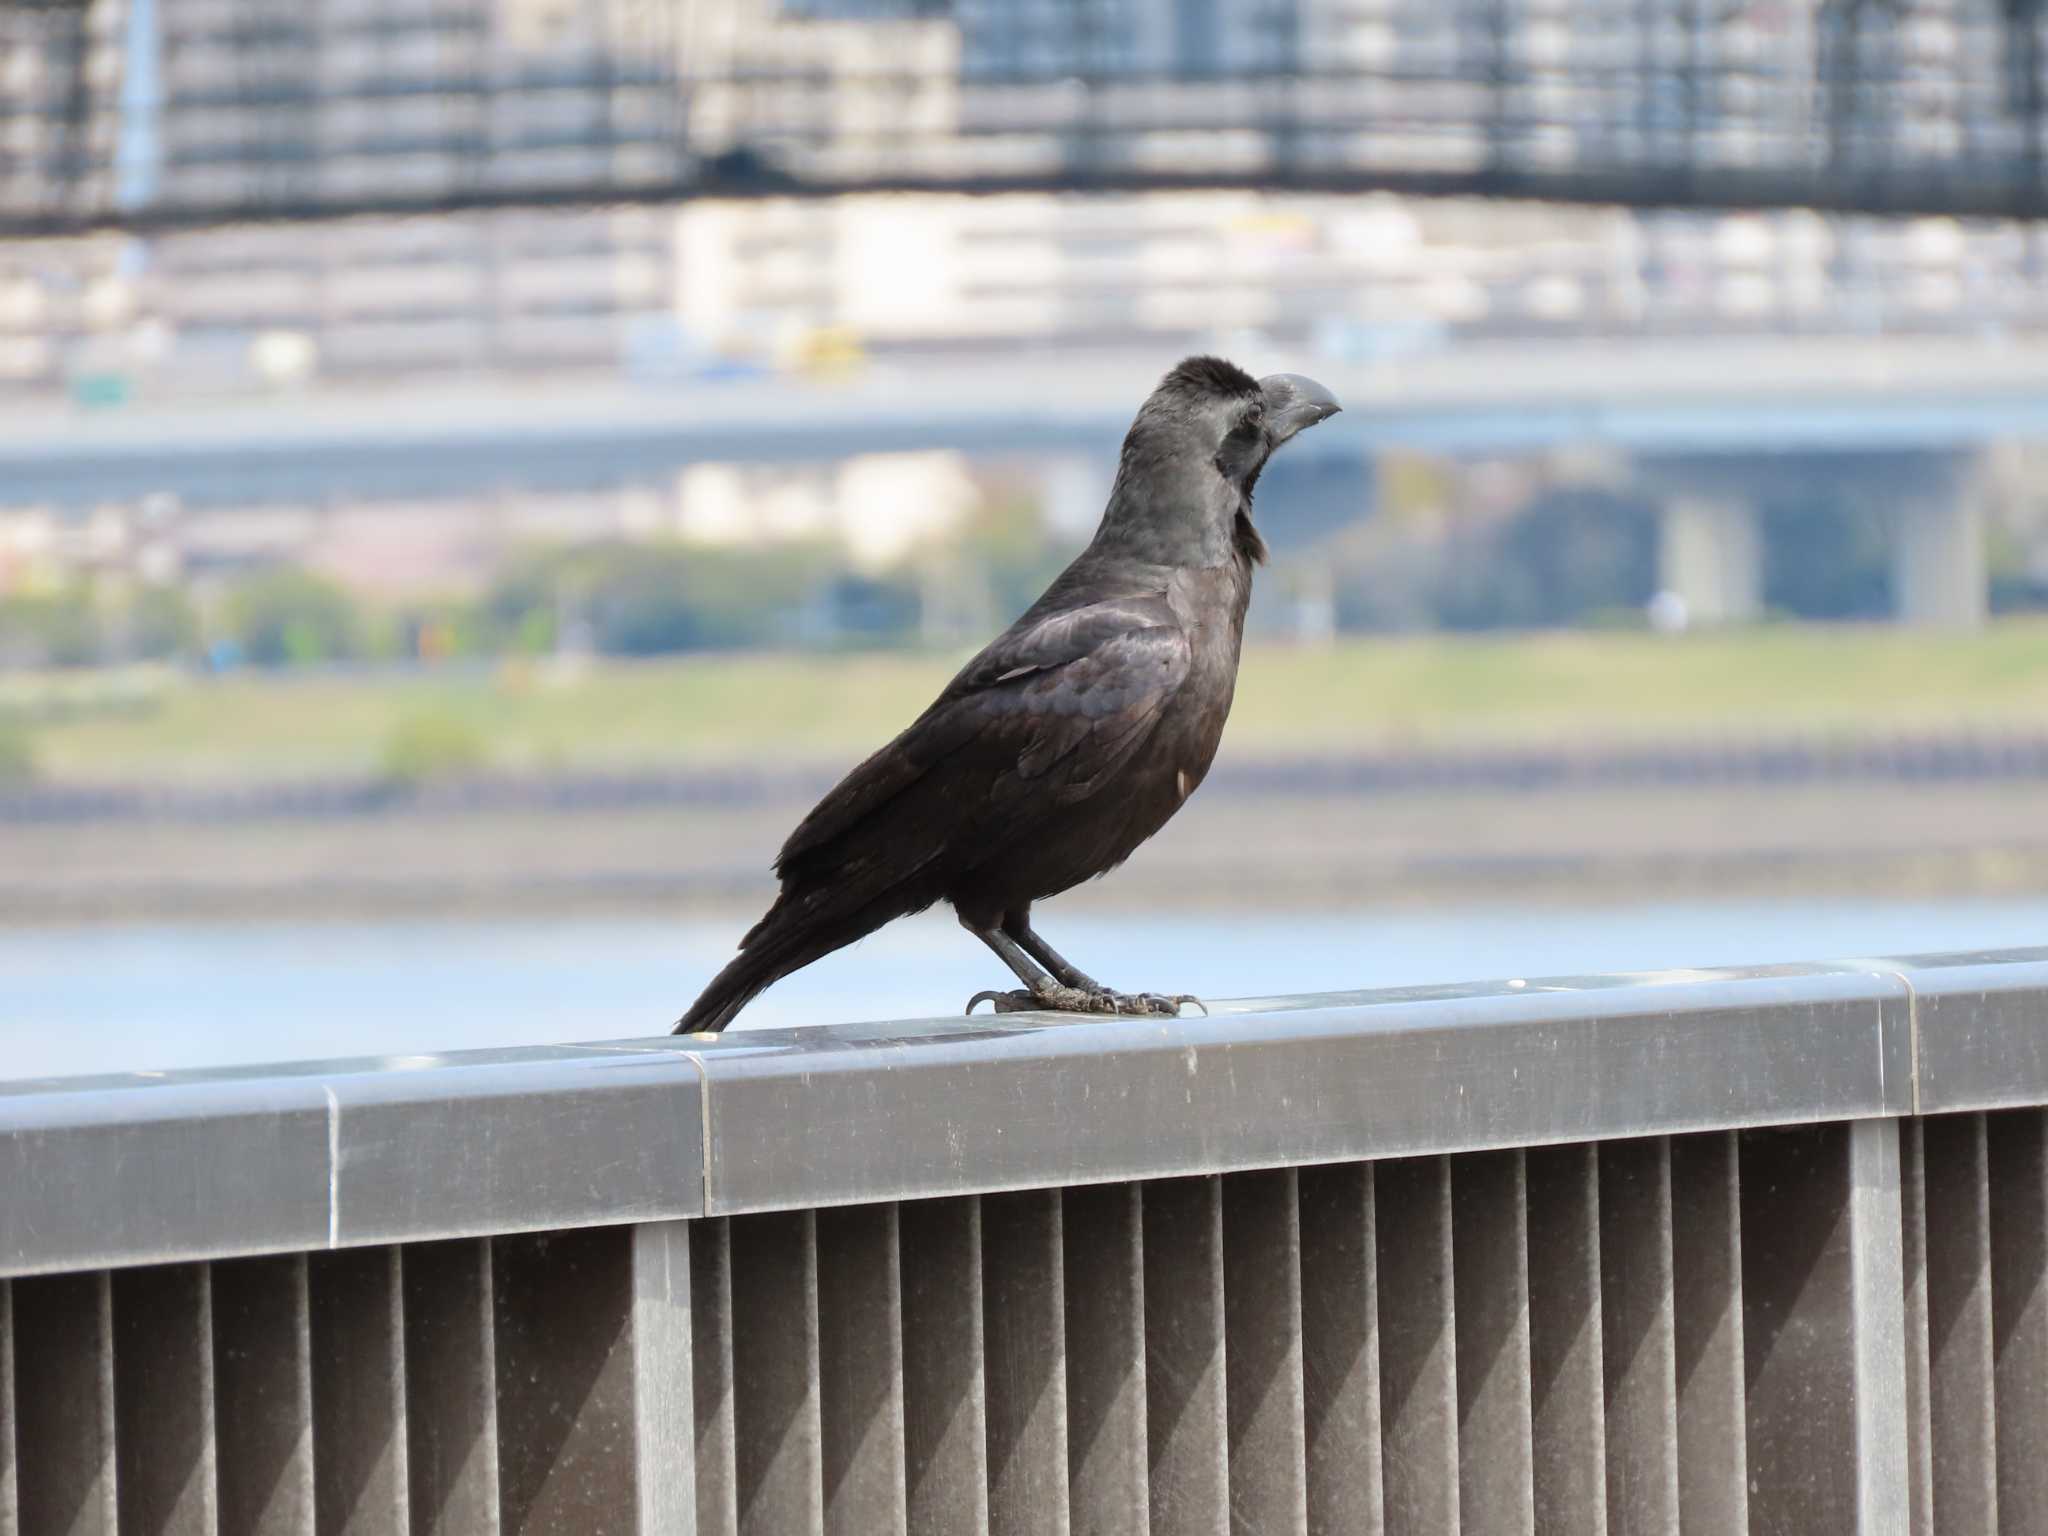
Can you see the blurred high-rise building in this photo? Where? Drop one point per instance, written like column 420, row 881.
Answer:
column 381, row 102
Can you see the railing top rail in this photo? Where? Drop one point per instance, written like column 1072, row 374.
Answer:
column 148, row 1167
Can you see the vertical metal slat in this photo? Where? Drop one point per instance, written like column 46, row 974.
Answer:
column 860, row 1371
column 1955, row 1212
column 2017, row 1159
column 664, row 1398
column 163, row 1401
column 1418, row 1346
column 775, row 1374
column 64, row 1393
column 451, row 1394
column 1340, row 1353
column 948, row 1428
column 1568, row 1415
column 1823, row 1282
column 1104, row 1271
column 718, row 1511
column 561, row 1309
column 1877, row 1288
column 1024, row 1324
column 1262, row 1312
column 263, row 1396
column 1490, row 1287
column 10, row 1507
column 1639, row 1371
column 1913, row 1249
column 356, row 1303
column 1706, row 1274
column 1186, row 1409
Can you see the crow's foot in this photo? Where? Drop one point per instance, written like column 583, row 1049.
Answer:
column 1050, row 996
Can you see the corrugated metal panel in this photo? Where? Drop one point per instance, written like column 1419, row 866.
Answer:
column 860, row 1371
column 263, row 1396
column 64, row 1393
column 1568, row 1414
column 1824, row 1338
column 1706, row 1332
column 2017, row 1162
column 163, row 1401
column 1954, row 1198
column 1340, row 1364
column 949, row 1428
column 1639, row 1364
column 358, row 1353
column 1838, row 1327
column 1189, row 1462
column 1262, row 1313
column 1490, row 1260
column 10, row 1508
column 775, row 1374
column 1108, row 1486
column 1418, row 1346
column 1024, row 1326
column 451, row 1389
column 1913, row 1250
column 716, row 1462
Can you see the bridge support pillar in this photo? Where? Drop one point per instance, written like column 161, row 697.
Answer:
column 1711, row 556
column 1940, row 578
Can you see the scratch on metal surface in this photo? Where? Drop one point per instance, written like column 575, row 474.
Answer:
column 333, row 1167
column 1900, row 974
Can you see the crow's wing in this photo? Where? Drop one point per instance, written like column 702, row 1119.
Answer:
column 1040, row 719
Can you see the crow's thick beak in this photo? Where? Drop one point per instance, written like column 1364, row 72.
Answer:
column 1294, row 403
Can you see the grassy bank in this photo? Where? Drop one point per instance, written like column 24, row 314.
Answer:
column 705, row 710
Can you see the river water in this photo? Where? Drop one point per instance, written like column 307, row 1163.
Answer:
column 108, row 998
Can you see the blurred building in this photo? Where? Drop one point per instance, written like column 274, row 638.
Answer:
column 362, row 99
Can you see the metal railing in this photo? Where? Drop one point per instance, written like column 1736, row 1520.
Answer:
column 1755, row 1251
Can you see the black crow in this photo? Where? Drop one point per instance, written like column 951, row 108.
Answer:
column 1070, row 739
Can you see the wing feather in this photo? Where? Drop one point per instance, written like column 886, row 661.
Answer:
column 1044, row 716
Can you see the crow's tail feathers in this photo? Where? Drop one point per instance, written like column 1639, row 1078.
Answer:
column 730, row 991
column 787, row 939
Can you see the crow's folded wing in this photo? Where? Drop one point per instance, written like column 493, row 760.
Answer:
column 1040, row 719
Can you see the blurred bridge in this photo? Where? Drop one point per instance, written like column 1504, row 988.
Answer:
column 1719, row 1251
column 1705, row 426
column 154, row 114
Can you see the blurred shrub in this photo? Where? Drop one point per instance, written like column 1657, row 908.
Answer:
column 161, row 625
column 434, row 744
column 290, row 616
column 54, row 629
column 652, row 599
column 81, row 625
column 17, row 753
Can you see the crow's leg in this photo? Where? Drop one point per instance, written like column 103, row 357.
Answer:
column 1041, row 989
column 1017, row 925
column 1067, row 989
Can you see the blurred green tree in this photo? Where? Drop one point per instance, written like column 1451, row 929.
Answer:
column 290, row 616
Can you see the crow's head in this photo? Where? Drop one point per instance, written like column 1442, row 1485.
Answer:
column 1195, row 452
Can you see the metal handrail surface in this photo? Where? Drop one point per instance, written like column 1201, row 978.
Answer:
column 152, row 1167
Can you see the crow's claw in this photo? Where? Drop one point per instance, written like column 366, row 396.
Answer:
column 1004, row 1002
column 1051, row 997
